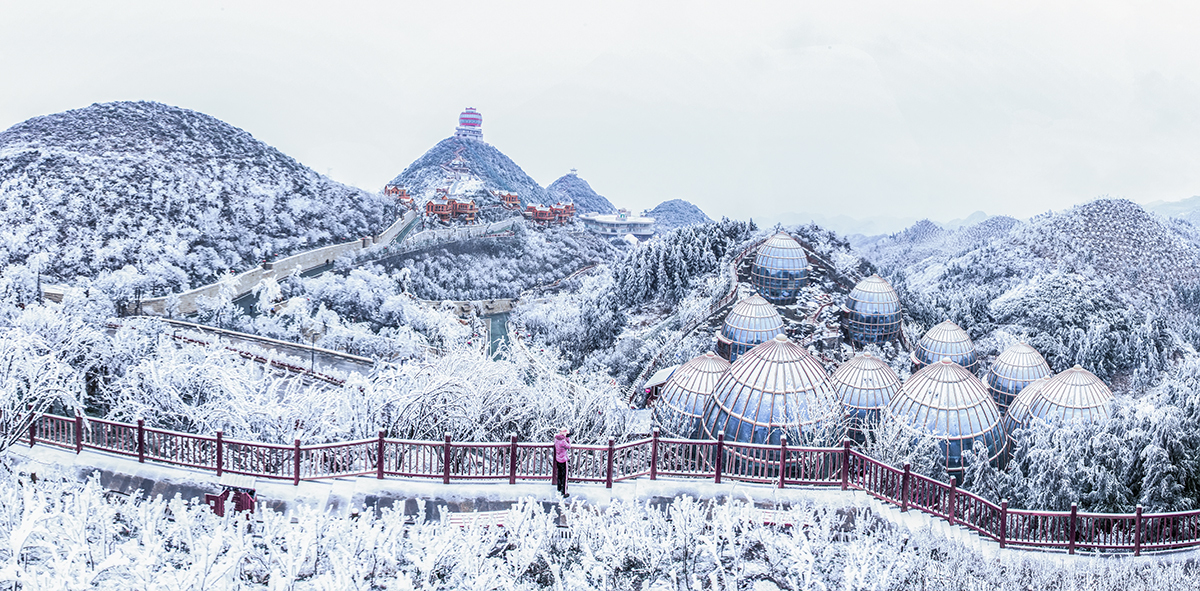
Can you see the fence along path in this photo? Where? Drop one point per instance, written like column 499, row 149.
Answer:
column 769, row 465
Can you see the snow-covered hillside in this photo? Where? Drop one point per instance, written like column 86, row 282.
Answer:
column 570, row 188
column 179, row 195
column 1105, row 284
column 487, row 170
column 677, row 213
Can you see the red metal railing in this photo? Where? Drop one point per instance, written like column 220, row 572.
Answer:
column 775, row 465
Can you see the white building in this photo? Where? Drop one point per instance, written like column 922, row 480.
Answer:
column 619, row 224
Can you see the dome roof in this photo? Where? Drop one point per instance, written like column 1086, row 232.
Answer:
column 1018, row 411
column 1072, row 394
column 1015, row 368
column 750, row 322
column 865, row 385
column 946, row 340
column 780, row 269
column 470, row 118
column 873, row 311
column 681, row 401
column 946, row 401
column 776, row 388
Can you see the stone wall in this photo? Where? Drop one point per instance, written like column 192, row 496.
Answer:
column 280, row 269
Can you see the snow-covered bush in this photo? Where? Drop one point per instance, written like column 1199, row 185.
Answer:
column 64, row 535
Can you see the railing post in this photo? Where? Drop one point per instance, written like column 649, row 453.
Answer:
column 904, row 487
column 608, row 477
column 141, row 441
column 1137, row 531
column 512, row 458
column 1071, row 529
column 783, row 458
column 950, row 499
column 654, row 454
column 379, row 457
column 1003, row 522
column 446, row 460
column 720, row 456
column 845, row 464
column 78, row 432
column 220, row 452
column 296, row 464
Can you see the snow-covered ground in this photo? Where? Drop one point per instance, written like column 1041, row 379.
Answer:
column 667, row 534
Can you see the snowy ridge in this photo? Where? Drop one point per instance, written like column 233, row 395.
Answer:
column 570, row 188
column 179, row 195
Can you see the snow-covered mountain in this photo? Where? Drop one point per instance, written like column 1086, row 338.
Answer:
column 677, row 213
column 570, row 188
column 179, row 195
column 484, row 171
column 1105, row 284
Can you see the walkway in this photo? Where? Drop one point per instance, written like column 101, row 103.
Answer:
column 770, row 466
column 355, row 495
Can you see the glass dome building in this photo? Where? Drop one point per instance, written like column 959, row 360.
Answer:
column 1018, row 412
column 1074, row 394
column 752, row 321
column 865, row 385
column 776, row 388
column 946, row 401
column 680, row 404
column 872, row 311
column 945, row 340
column 780, row 269
column 1015, row 368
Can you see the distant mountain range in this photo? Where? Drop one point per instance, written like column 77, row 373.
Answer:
column 1186, row 209
column 868, row 226
column 478, row 170
column 178, row 196
column 1105, row 284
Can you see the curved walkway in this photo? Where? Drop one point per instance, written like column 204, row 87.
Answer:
column 486, row 503
column 768, row 466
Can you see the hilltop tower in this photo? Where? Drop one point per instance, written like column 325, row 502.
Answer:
column 470, row 125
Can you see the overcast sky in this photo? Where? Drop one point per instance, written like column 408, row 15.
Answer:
column 906, row 109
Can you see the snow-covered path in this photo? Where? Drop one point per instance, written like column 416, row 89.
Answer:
column 347, row 496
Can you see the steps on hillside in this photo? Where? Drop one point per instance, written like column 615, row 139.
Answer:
column 914, row 521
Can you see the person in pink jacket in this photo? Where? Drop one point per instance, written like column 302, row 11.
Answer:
column 562, row 452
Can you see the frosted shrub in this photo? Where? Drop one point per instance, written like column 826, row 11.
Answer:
column 65, row 535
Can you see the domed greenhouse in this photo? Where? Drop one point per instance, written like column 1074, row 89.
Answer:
column 945, row 340
column 873, row 311
column 780, row 269
column 681, row 402
column 751, row 322
column 947, row 402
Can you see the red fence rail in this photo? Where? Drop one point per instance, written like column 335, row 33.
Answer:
column 774, row 465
